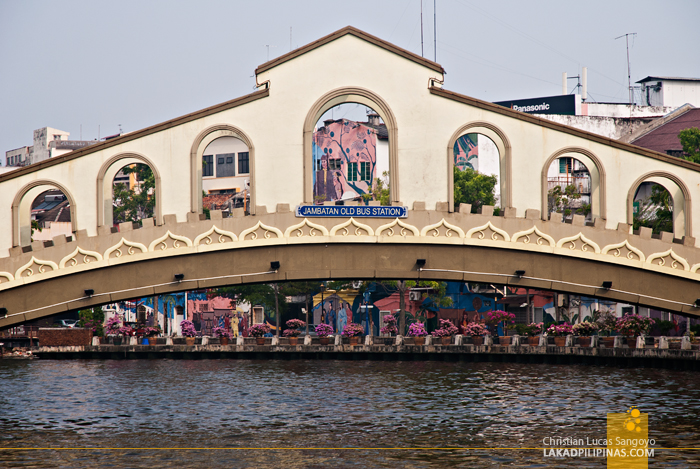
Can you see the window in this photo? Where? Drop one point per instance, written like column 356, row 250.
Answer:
column 334, row 163
column 243, row 162
column 565, row 165
column 207, row 165
column 352, row 172
column 225, row 166
column 365, row 174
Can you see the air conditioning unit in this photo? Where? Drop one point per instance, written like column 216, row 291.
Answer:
column 414, row 295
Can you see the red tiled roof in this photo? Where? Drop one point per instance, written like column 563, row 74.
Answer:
column 215, row 201
column 665, row 137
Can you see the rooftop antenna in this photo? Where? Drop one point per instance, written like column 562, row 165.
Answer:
column 435, row 27
column 120, row 129
column 421, row 28
column 629, row 76
column 290, row 38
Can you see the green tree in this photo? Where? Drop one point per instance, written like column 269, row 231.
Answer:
column 656, row 211
column 379, row 190
column 92, row 318
column 690, row 139
column 308, row 289
column 565, row 201
column 436, row 293
column 472, row 187
column 139, row 202
column 260, row 294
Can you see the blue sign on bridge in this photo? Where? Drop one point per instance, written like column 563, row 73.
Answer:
column 366, row 211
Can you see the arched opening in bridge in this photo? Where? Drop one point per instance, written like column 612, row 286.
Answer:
column 358, row 171
column 350, row 156
column 133, row 194
column 128, row 189
column 41, row 211
column 226, row 175
column 569, row 188
column 660, row 201
column 476, row 175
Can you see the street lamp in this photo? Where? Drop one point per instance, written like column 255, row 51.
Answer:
column 323, row 289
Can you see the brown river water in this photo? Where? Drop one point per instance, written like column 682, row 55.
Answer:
column 328, row 413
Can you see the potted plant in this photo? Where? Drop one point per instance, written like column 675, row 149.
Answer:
column 390, row 326
column 559, row 332
column 607, row 324
column 353, row 331
column 323, row 331
column 152, row 333
column 293, row 331
column 188, row 331
column 476, row 331
column 258, row 331
column 418, row 332
column 584, row 331
column 222, row 333
column 445, row 331
column 532, row 331
column 112, row 327
column 632, row 326
column 126, row 331
column 494, row 318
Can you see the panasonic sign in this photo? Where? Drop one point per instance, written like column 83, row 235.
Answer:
column 565, row 105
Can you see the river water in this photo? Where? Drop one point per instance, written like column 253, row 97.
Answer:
column 315, row 413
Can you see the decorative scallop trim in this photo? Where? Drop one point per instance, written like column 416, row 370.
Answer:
column 404, row 227
column 42, row 264
column 254, row 235
column 526, row 234
column 584, row 240
column 625, row 244
column 358, row 226
column 299, row 232
column 214, row 229
column 480, row 230
column 662, row 262
column 162, row 245
column 118, row 248
column 86, row 257
column 11, row 277
column 436, row 232
column 694, row 268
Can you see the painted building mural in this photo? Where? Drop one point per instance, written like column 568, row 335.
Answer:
column 345, row 160
column 466, row 152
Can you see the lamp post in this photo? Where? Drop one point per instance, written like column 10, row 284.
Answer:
column 323, row 289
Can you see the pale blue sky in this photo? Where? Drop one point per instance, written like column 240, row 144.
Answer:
column 138, row 63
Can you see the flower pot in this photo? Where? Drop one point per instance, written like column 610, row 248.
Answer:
column 223, row 340
column 560, row 341
column 189, row 340
column 293, row 340
column 419, row 341
column 504, row 340
column 584, row 341
column 324, row 340
column 446, row 340
column 609, row 342
column 260, row 340
column 354, row 340
column 632, row 342
column 152, row 340
column 477, row 340
column 533, row 341
column 117, row 341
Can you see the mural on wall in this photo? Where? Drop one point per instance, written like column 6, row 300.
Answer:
column 344, row 159
column 466, row 152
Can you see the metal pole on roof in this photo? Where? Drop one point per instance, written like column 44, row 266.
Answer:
column 421, row 28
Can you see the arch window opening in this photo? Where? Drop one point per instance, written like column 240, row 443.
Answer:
column 653, row 208
column 133, row 193
column 226, row 175
column 476, row 172
column 350, row 156
column 569, row 188
column 50, row 216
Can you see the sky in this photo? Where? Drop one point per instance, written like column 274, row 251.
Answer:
column 102, row 65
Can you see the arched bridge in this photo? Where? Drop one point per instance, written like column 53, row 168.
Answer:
column 100, row 264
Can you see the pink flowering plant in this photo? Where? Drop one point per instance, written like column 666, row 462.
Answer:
column 607, row 322
column 493, row 318
column 259, row 330
column 221, row 332
column 475, row 329
column 560, row 330
column 323, row 330
column 634, row 325
column 293, row 328
column 152, row 331
column 112, row 325
column 585, row 329
column 126, row 331
column 187, row 328
column 535, row 328
column 446, row 329
column 417, row 329
column 352, row 330
column 390, row 325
